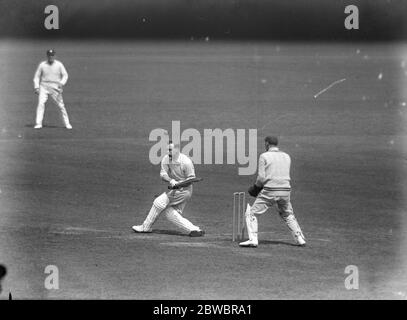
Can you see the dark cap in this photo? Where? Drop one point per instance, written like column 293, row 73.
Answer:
column 271, row 140
column 51, row 52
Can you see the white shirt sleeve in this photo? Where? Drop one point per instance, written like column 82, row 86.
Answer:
column 37, row 76
column 164, row 169
column 189, row 171
column 64, row 75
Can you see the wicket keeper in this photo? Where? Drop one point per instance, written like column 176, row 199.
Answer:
column 272, row 187
column 175, row 168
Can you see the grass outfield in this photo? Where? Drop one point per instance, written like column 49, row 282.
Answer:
column 69, row 198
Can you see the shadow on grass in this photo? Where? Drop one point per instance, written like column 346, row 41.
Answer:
column 31, row 125
column 170, row 232
column 276, row 242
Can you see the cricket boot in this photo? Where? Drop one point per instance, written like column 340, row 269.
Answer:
column 140, row 229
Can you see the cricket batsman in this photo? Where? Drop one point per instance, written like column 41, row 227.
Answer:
column 49, row 79
column 176, row 167
column 272, row 187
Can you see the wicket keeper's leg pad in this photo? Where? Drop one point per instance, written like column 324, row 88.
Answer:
column 254, row 190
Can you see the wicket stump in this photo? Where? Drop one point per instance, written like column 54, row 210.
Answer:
column 239, row 220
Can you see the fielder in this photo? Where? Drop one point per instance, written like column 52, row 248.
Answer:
column 176, row 167
column 49, row 79
column 272, row 187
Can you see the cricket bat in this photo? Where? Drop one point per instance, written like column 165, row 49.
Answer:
column 185, row 183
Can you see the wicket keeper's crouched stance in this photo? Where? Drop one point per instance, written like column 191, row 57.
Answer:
column 175, row 168
column 272, row 187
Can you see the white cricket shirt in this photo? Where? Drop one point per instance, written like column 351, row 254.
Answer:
column 50, row 74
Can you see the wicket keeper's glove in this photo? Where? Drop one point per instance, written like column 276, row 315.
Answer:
column 254, row 190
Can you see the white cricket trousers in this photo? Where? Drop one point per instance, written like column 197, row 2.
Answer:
column 56, row 95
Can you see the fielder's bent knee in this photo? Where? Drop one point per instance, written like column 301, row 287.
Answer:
column 161, row 201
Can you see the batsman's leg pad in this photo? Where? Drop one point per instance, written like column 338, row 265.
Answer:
column 287, row 214
column 182, row 223
column 294, row 227
column 159, row 204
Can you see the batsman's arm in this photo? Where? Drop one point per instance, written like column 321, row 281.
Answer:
column 164, row 172
column 189, row 172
